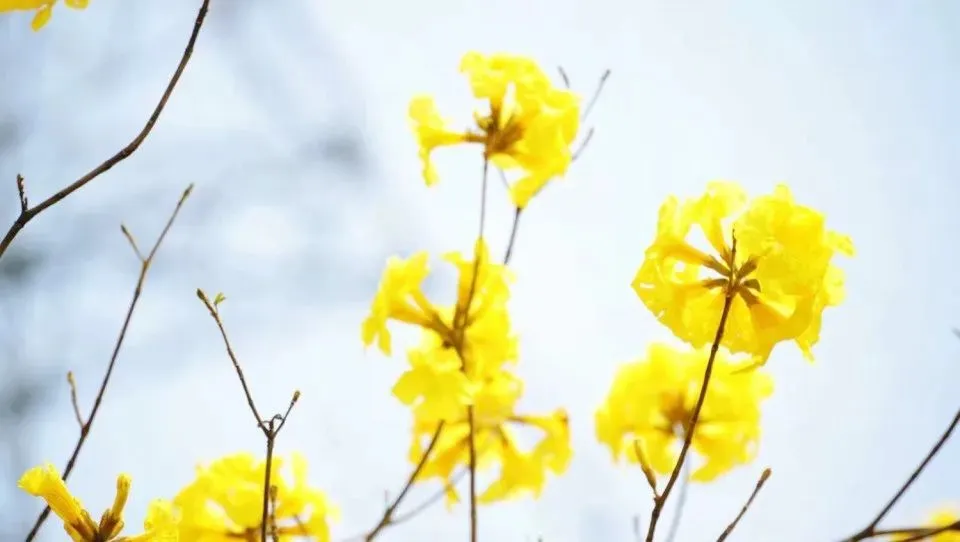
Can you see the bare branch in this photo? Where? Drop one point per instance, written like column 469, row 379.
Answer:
column 387, row 519
column 88, row 423
column 215, row 314
column 871, row 529
column 753, row 495
column 29, row 213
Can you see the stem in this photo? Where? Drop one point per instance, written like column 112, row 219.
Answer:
column 85, row 426
column 688, row 439
column 28, row 214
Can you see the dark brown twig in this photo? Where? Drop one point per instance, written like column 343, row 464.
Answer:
column 753, row 495
column 387, row 519
column 270, row 428
column 917, row 533
column 690, row 429
column 145, row 263
column 214, row 310
column 871, row 529
column 29, row 213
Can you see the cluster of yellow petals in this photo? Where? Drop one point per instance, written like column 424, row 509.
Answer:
column 651, row 402
column 461, row 345
column 462, row 362
column 496, row 442
column 781, row 271
column 45, row 482
column 527, row 124
column 224, row 502
column 43, row 9
column 938, row 520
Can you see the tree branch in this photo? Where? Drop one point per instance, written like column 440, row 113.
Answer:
column 29, row 213
column 871, row 529
column 753, row 495
column 86, row 424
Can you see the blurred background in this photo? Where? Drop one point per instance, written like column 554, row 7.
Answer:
column 291, row 120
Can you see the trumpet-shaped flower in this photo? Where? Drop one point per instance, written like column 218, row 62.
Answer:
column 522, row 470
column 780, row 273
column 476, row 328
column 939, row 519
column 527, row 124
column 45, row 482
column 650, row 404
column 43, row 9
column 225, row 502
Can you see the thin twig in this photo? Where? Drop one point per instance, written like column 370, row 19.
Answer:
column 430, row 501
column 753, row 495
column 918, row 533
column 98, row 400
column 215, row 314
column 514, row 228
column 871, row 529
column 270, row 428
column 73, row 398
column 387, row 518
column 596, row 95
column 681, row 503
column 460, row 337
column 660, row 501
column 29, row 213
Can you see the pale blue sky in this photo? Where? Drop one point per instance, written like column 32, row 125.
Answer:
column 855, row 107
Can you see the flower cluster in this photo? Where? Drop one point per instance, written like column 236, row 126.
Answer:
column 763, row 276
column 223, row 504
column 458, row 382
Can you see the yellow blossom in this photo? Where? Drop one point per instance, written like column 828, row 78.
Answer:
column 224, row 503
column 940, row 518
column 477, row 327
column 527, row 124
column 45, row 482
column 43, row 9
column 496, row 442
column 652, row 400
column 782, row 274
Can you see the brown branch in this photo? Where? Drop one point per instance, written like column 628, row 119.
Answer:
column 918, row 533
column 660, row 501
column 753, row 495
column 138, row 289
column 29, row 213
column 213, row 308
column 270, row 428
column 871, row 529
column 514, row 228
column 387, row 519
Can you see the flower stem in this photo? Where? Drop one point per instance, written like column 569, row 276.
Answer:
column 660, row 501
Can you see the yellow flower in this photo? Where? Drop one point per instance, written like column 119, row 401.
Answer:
column 477, row 327
column 224, row 503
column 651, row 402
column 45, row 482
column 940, row 518
column 528, row 124
column 782, row 274
column 44, row 9
column 521, row 470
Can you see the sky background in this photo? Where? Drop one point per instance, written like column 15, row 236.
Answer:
column 291, row 120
